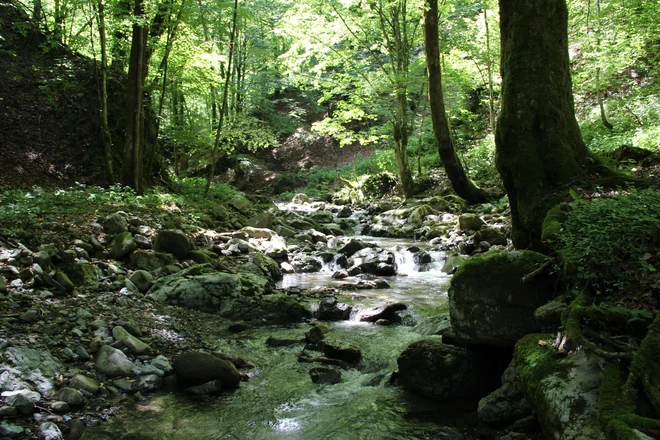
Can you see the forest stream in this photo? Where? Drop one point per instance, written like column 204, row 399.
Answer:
column 279, row 401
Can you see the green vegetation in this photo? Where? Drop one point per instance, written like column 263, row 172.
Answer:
column 51, row 214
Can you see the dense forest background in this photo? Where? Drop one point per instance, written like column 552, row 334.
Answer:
column 270, row 90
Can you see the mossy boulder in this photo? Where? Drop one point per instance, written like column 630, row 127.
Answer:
column 173, row 241
column 470, row 222
column 322, row 216
column 489, row 303
column 491, row 235
column 150, row 261
column 563, row 390
column 230, row 295
column 419, row 214
column 122, row 245
column 82, row 273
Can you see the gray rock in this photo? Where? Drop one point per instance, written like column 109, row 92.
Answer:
column 10, row 430
column 142, row 279
column 142, row 241
column 149, row 369
column 488, row 302
column 50, row 431
column 135, row 346
column 122, row 245
column 173, row 241
column 566, row 396
column 35, row 366
column 22, row 404
column 82, row 273
column 197, row 368
column 218, row 292
column 261, row 220
column 506, row 404
column 113, row 362
column 151, row 261
column 33, row 396
column 332, row 310
column 63, row 280
column 60, row 407
column 148, row 383
column 72, row 397
column 81, row 382
column 8, row 411
column 382, row 312
column 452, row 264
column 76, row 429
column 304, row 263
column 351, row 248
column 491, row 235
column 470, row 222
column 115, row 224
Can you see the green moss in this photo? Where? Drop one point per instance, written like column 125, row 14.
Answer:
column 535, row 362
column 501, row 264
column 552, row 223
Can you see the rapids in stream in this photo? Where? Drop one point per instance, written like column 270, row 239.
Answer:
column 280, row 401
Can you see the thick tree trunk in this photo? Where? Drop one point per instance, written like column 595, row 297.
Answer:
column 540, row 150
column 134, row 148
column 462, row 185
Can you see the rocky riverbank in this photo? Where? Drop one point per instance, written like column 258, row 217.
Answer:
column 131, row 309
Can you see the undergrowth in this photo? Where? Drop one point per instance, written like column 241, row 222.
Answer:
column 612, row 243
column 40, row 211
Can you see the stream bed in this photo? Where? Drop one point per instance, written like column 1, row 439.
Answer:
column 280, row 401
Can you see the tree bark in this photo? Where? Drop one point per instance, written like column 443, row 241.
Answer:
column 539, row 148
column 462, row 185
column 103, row 94
column 137, row 69
column 225, row 94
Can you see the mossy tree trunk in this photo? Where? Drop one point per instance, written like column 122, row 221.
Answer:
column 539, row 148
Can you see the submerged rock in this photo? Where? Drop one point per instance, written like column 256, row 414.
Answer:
column 328, row 376
column 197, row 368
column 382, row 312
column 332, row 310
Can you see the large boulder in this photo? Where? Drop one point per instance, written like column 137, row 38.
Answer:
column 490, row 304
column 113, row 362
column 148, row 260
column 122, row 245
column 216, row 292
column 506, row 404
column 439, row 371
column 115, row 224
column 196, row 368
column 563, row 390
column 25, row 364
column 173, row 241
column 373, row 261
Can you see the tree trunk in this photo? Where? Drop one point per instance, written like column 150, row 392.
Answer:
column 103, row 94
column 225, row 94
column 462, row 185
column 539, row 148
column 133, row 152
column 489, row 67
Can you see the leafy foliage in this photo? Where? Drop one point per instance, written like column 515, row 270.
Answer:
column 612, row 243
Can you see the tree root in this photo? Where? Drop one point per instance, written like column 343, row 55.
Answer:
column 618, row 398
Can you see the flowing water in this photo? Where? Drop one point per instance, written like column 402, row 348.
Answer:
column 279, row 401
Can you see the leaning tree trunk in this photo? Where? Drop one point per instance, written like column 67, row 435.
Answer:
column 539, row 148
column 462, row 185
